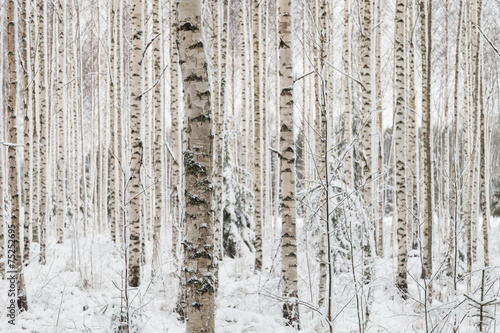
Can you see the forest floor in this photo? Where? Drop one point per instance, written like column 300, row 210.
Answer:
column 64, row 299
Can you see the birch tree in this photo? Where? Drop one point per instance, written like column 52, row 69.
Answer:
column 27, row 166
column 43, row 114
column 426, row 42
column 287, row 170
column 158, row 141
column 14, row 241
column 200, row 268
column 257, row 179
column 400, row 111
column 134, row 212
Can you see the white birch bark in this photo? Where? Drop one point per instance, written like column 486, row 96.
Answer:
column 158, row 140
column 43, row 114
column 200, row 268
column 287, row 170
column 401, row 279
column 134, row 211
column 27, row 166
column 258, row 158
column 14, row 191
column 426, row 40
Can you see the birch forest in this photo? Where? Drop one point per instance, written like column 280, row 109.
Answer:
column 260, row 166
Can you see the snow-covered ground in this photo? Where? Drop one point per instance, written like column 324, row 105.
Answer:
column 64, row 299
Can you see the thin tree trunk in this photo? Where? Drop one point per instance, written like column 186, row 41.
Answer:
column 348, row 167
column 28, row 167
column 114, row 109
column 158, row 141
column 411, row 132
column 257, row 180
column 61, row 110
column 454, row 201
column 174, row 138
column 43, row 114
column 378, row 94
column 425, row 16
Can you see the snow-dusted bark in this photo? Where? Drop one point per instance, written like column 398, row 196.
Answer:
column 14, row 242
column 287, row 171
column 134, row 210
column 399, row 42
column 200, row 268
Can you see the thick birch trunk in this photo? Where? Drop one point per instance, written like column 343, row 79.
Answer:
column 287, row 172
column 14, row 192
column 136, row 143
column 401, row 279
column 200, row 268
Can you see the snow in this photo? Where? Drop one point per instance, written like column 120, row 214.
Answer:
column 65, row 299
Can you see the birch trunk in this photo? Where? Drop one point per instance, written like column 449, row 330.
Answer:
column 412, row 148
column 136, row 143
column 455, row 180
column 483, row 199
column 347, row 100
column 61, row 112
column 425, row 16
column 321, row 142
column 257, row 177
column 174, row 138
column 27, row 133
column 217, row 13
column 401, row 279
column 14, row 242
column 287, row 171
column 378, row 94
column 158, row 141
column 114, row 167
column 43, row 114
column 36, row 129
column 200, row 268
